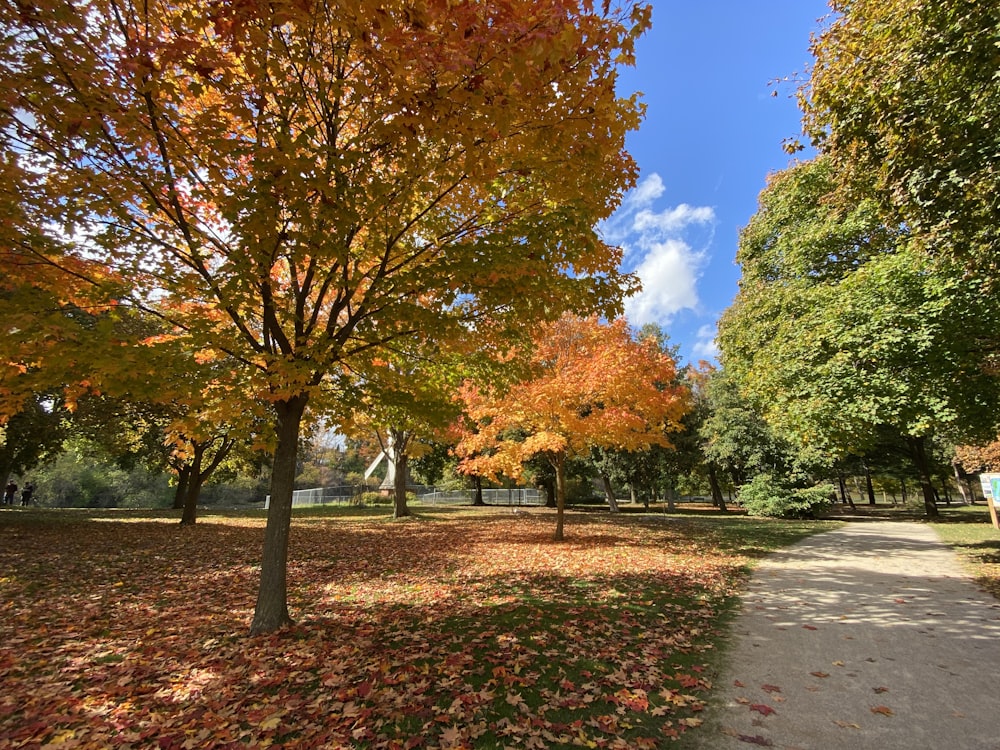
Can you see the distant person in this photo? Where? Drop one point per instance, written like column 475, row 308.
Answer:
column 26, row 493
column 9, row 492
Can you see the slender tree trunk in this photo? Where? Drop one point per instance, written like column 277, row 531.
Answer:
column 919, row 452
column 844, row 495
column 869, row 486
column 962, row 481
column 198, row 473
column 195, row 479
column 271, row 612
column 180, row 494
column 609, row 493
column 550, row 492
column 400, row 509
column 718, row 499
column 902, row 490
column 559, row 464
column 477, row 483
column 670, row 495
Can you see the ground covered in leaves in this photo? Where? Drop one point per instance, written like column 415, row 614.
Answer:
column 451, row 630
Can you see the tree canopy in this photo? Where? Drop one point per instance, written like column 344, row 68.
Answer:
column 841, row 327
column 906, row 92
column 591, row 385
column 293, row 184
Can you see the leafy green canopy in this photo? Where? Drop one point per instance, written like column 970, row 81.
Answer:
column 840, row 327
column 906, row 92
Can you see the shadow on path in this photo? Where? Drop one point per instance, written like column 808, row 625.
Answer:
column 869, row 636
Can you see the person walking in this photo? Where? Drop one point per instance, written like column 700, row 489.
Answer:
column 8, row 492
column 26, row 493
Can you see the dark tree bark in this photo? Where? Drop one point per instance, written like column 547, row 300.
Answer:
column 718, row 499
column 844, row 496
column 609, row 493
column 400, row 508
column 478, row 501
column 193, row 486
column 271, row 612
column 869, row 487
column 549, row 485
column 962, row 480
column 199, row 473
column 180, row 494
column 919, row 452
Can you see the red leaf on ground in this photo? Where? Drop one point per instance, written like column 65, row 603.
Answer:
column 762, row 708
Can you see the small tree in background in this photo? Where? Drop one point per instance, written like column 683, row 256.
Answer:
column 591, row 385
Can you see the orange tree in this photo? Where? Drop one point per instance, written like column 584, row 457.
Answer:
column 591, row 384
column 293, row 184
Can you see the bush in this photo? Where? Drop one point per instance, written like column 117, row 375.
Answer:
column 765, row 495
column 377, row 498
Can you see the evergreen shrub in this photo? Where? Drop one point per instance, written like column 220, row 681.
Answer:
column 766, row 495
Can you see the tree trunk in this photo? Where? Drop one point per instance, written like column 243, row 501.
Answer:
column 477, row 482
column 869, row 486
column 180, row 494
column 844, row 496
column 550, row 492
column 718, row 499
column 902, row 490
column 271, row 612
column 193, row 486
column 670, row 495
column 918, row 450
column 559, row 464
column 198, row 473
column 609, row 493
column 400, row 510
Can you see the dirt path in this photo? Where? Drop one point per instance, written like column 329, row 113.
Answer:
column 870, row 636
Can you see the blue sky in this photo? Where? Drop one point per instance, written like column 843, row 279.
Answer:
column 712, row 133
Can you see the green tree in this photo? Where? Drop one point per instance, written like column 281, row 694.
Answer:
column 905, row 93
column 840, row 328
column 31, row 435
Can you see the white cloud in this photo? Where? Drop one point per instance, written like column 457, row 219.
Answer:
column 672, row 220
column 706, row 347
column 666, row 249
column 669, row 277
column 645, row 193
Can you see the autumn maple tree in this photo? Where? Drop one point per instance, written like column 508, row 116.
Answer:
column 293, row 184
column 592, row 385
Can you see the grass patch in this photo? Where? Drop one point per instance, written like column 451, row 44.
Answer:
column 465, row 628
column 970, row 531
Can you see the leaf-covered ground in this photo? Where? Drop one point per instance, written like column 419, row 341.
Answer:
column 454, row 630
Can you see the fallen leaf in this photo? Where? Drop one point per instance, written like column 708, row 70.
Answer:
column 770, row 688
column 838, row 663
column 884, row 710
column 762, row 708
column 820, row 674
column 847, row 725
column 881, row 689
column 810, row 627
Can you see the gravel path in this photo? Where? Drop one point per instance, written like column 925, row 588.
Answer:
column 870, row 636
